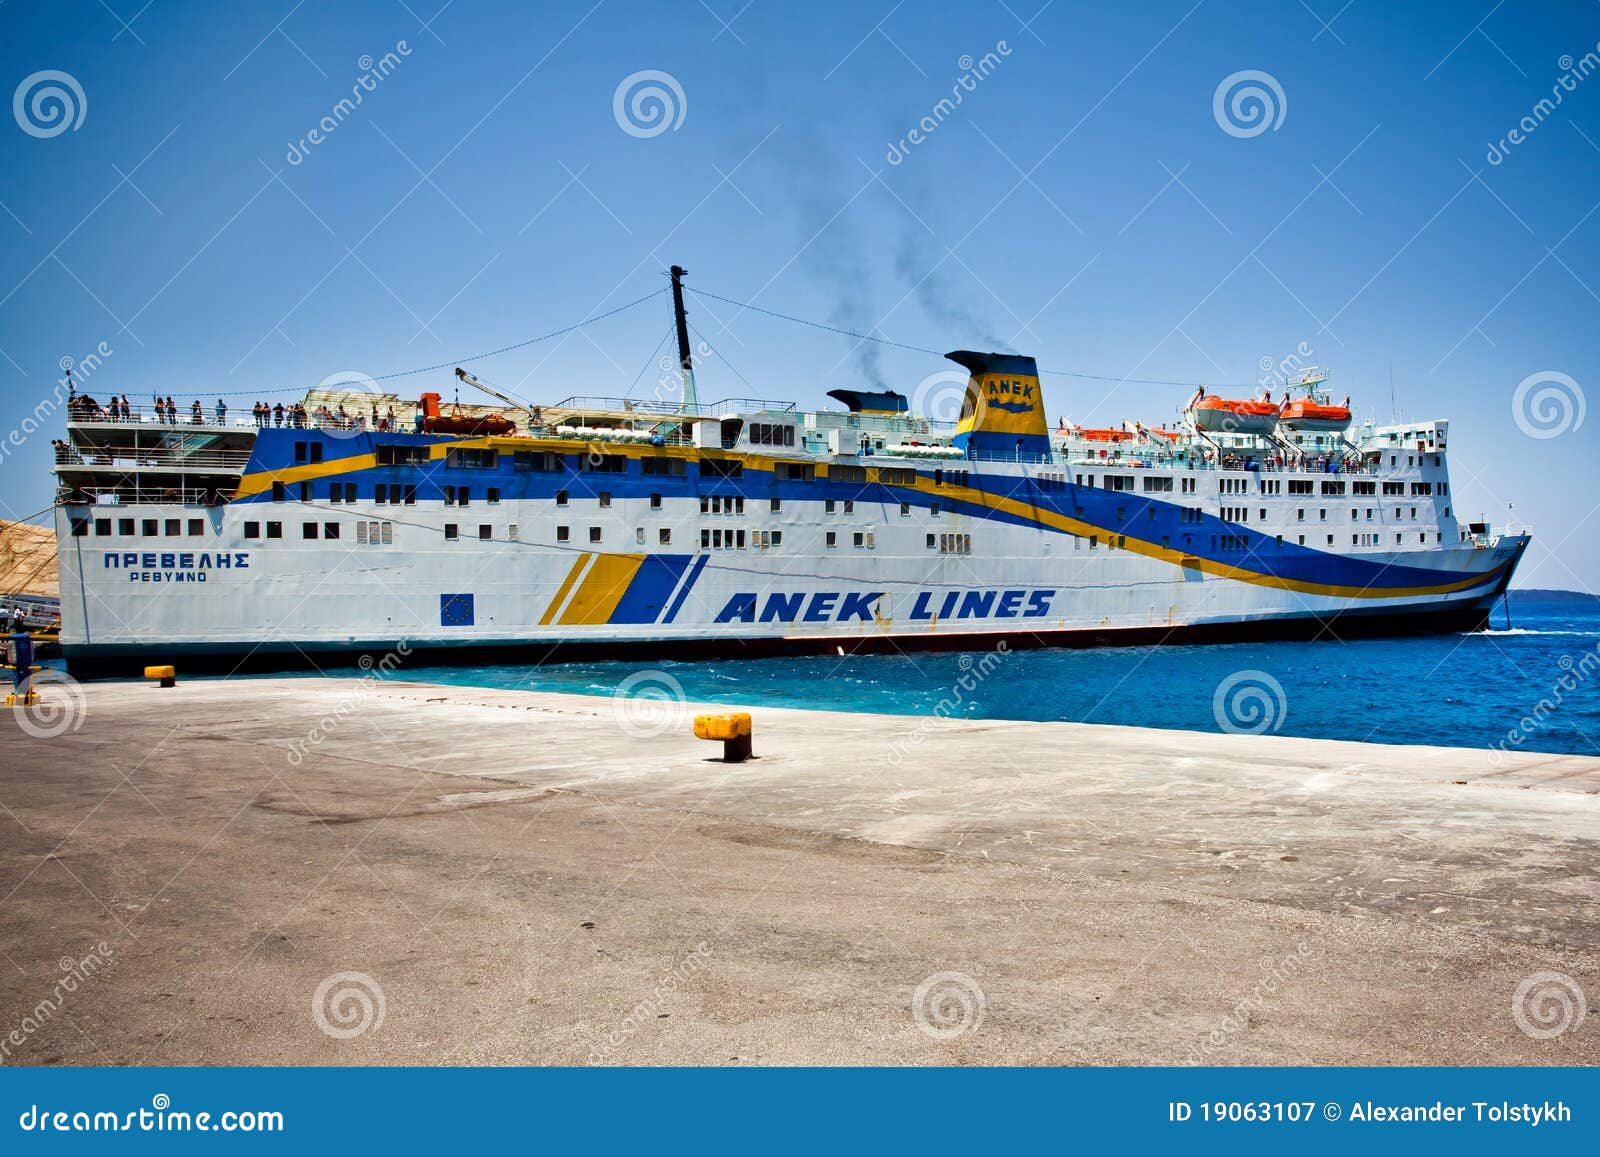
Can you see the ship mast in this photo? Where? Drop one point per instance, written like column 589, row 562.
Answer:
column 685, row 360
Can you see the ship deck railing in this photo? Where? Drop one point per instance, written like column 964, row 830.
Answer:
column 1309, row 465
column 718, row 409
column 166, row 459
column 232, row 419
column 106, row 496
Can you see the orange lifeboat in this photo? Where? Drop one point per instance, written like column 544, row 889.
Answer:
column 1094, row 434
column 1305, row 414
column 1217, row 415
column 434, row 421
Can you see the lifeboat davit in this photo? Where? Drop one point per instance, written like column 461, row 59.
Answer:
column 1216, row 415
column 1305, row 414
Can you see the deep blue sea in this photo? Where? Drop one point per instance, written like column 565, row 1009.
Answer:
column 1466, row 690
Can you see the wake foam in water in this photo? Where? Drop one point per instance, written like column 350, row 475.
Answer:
column 1527, row 631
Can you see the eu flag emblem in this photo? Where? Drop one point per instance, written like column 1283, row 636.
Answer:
column 455, row 610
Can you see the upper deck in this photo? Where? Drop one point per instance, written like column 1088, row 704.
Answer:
column 198, row 454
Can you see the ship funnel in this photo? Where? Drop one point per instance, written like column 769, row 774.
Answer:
column 1004, row 409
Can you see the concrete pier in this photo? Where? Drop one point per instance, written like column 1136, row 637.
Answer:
column 349, row 872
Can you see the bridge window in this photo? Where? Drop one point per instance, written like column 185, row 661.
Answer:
column 526, row 461
column 473, row 459
column 721, row 468
column 795, row 472
column 605, row 463
column 396, row 455
column 663, row 466
column 771, row 434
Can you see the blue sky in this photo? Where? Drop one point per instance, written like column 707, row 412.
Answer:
column 1085, row 203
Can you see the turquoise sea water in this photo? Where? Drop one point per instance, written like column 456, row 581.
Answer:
column 1464, row 690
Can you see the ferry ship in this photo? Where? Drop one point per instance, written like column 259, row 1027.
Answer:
column 352, row 524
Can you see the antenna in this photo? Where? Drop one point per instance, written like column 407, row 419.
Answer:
column 685, row 359
column 1394, row 410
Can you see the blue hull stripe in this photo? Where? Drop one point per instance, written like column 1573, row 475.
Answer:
column 683, row 591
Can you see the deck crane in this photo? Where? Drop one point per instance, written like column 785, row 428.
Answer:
column 490, row 390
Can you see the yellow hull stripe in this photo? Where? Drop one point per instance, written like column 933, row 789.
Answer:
column 561, row 591
column 262, row 480
column 601, row 590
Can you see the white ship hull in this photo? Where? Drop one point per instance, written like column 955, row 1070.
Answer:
column 738, row 528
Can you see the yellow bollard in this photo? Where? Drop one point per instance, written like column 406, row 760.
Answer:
column 168, row 675
column 733, row 729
